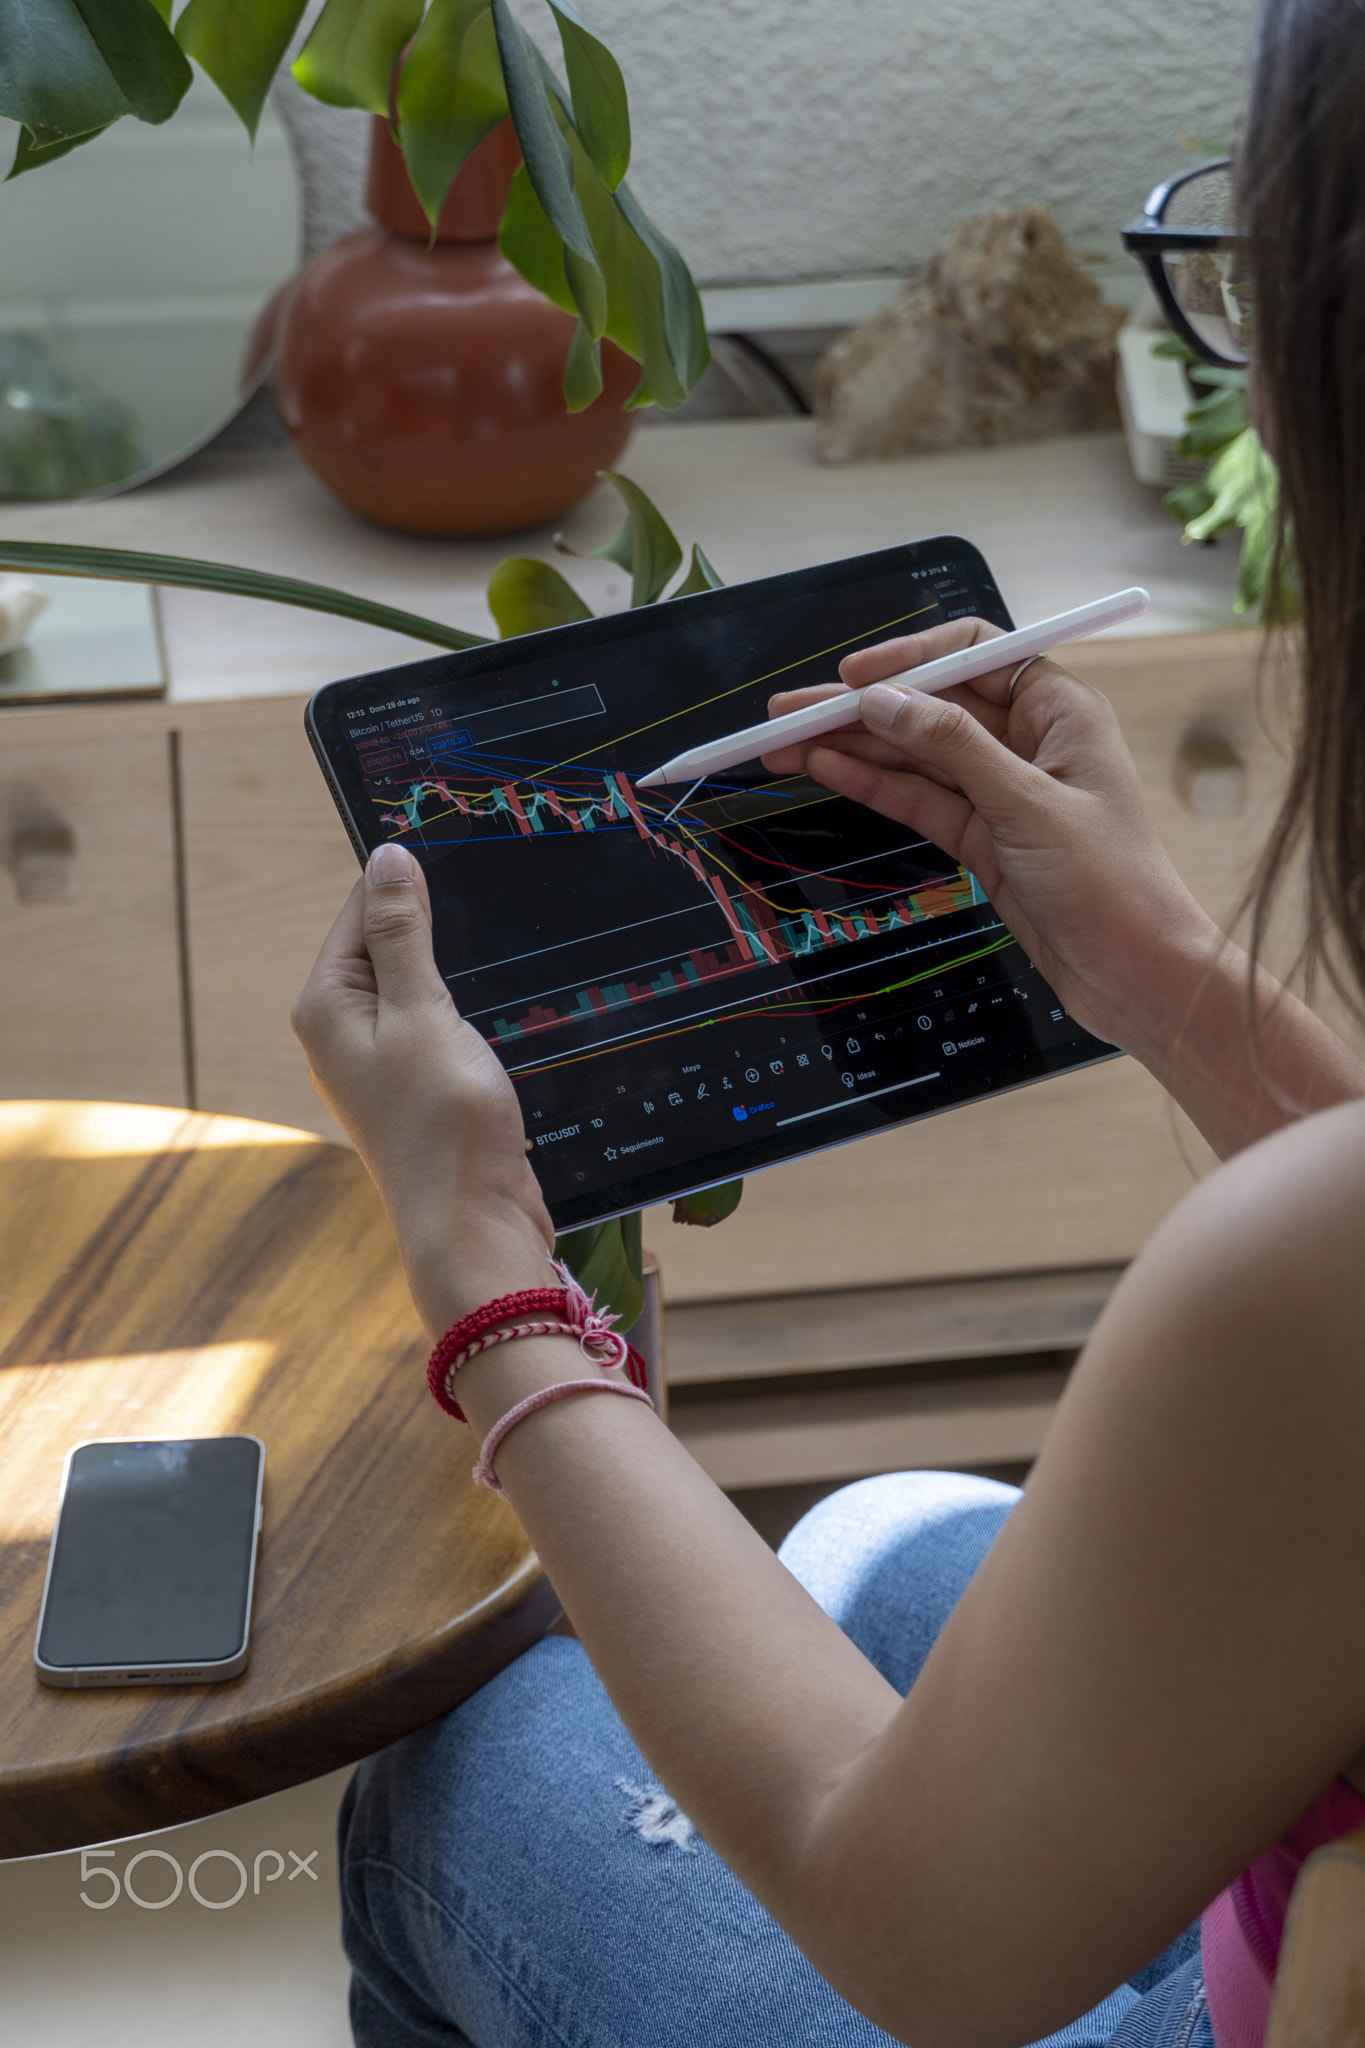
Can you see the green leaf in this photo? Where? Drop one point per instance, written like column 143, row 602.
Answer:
column 700, row 576
column 549, row 165
column 683, row 321
column 1211, row 423
column 1243, row 485
column 123, row 565
column 241, row 45
column 144, row 59
column 710, row 1206
column 528, row 240
column 526, row 596
column 600, row 108
column 27, row 158
column 1214, row 373
column 348, row 59
column 52, row 77
column 635, row 311
column 1187, row 501
column 450, row 95
column 1170, row 344
column 654, row 312
column 582, row 370
column 645, row 545
column 606, row 1261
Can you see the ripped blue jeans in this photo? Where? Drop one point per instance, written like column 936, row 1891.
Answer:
column 514, row 1877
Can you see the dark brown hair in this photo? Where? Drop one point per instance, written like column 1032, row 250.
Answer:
column 1301, row 195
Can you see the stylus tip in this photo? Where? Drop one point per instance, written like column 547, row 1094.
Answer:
column 654, row 780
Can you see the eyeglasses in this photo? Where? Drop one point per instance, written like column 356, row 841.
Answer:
column 1196, row 260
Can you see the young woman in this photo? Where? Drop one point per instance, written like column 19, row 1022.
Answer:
column 964, row 1762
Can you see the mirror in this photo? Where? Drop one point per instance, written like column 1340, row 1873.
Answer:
column 134, row 274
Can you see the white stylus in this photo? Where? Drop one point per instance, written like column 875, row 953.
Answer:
column 832, row 712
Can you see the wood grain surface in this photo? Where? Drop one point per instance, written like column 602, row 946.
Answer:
column 171, row 1274
column 264, row 852
column 90, row 993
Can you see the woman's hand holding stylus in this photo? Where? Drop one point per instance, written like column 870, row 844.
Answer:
column 1040, row 800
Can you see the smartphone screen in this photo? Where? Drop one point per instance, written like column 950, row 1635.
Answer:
column 152, row 1562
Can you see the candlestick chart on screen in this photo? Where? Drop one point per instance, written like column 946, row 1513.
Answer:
column 689, row 984
column 655, row 923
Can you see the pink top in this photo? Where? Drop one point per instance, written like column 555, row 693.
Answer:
column 1241, row 1932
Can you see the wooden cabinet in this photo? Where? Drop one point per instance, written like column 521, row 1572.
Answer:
column 267, row 866
column 90, row 966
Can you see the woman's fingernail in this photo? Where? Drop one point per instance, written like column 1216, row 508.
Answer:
column 880, row 704
column 390, row 863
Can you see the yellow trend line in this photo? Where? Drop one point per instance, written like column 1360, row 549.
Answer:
column 788, row 811
column 750, row 683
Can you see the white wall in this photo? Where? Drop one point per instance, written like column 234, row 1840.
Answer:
column 800, row 138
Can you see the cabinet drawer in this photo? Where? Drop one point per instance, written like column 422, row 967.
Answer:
column 267, row 867
column 89, row 961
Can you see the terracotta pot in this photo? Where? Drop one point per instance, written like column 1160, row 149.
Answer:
column 424, row 386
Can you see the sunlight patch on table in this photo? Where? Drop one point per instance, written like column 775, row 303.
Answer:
column 204, row 1390
column 122, row 1130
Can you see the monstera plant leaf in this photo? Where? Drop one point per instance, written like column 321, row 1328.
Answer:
column 70, row 68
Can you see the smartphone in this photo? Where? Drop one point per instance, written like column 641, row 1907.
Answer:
column 153, row 1560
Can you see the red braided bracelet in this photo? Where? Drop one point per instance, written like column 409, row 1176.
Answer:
column 576, row 1317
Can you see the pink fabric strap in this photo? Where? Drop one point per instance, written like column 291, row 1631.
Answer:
column 1241, row 1932
column 484, row 1475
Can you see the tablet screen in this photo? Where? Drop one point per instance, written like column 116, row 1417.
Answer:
column 683, row 999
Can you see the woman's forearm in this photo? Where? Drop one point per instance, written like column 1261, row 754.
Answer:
column 746, row 1699
column 1238, row 1076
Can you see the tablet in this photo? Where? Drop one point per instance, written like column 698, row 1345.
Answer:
column 680, row 1000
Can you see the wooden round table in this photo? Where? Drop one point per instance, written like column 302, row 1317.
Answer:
column 170, row 1274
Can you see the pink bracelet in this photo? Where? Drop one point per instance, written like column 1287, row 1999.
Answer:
column 484, row 1475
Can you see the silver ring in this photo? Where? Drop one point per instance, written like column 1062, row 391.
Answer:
column 1009, row 694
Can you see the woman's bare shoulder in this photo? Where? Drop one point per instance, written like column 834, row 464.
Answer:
column 1275, row 1236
